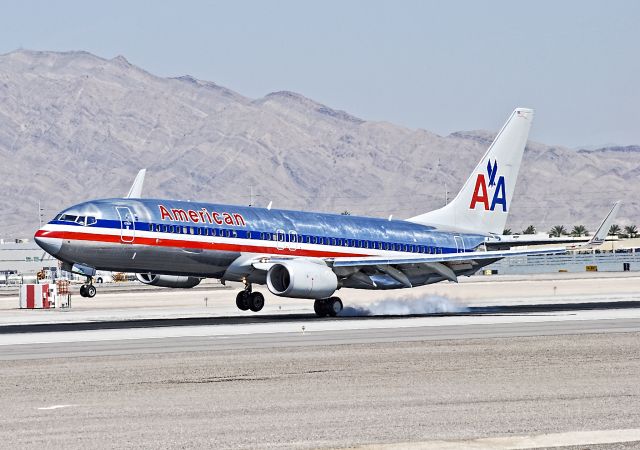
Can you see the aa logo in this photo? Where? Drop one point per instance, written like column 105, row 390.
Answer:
column 496, row 185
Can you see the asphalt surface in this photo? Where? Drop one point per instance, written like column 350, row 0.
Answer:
column 328, row 390
column 560, row 371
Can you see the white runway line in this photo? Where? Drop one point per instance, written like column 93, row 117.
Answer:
column 572, row 438
column 310, row 327
column 48, row 408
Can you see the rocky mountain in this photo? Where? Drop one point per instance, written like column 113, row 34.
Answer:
column 74, row 126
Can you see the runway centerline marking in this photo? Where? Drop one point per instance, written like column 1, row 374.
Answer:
column 566, row 439
column 48, row 408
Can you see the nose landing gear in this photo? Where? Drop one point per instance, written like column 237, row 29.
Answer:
column 88, row 289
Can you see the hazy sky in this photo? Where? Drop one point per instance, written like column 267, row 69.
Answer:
column 443, row 66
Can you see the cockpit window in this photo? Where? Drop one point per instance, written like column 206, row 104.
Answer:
column 68, row 218
column 80, row 220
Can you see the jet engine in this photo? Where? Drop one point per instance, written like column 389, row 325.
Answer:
column 171, row 281
column 301, row 279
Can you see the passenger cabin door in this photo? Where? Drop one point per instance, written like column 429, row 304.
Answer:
column 459, row 244
column 127, row 224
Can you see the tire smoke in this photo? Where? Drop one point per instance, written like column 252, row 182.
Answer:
column 405, row 306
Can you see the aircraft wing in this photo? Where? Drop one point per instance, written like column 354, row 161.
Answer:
column 443, row 258
column 395, row 267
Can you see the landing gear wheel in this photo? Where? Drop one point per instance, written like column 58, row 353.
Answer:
column 256, row 301
column 88, row 290
column 334, row 306
column 320, row 307
column 242, row 300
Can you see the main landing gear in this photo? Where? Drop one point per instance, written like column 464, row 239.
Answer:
column 88, row 289
column 328, row 307
column 249, row 300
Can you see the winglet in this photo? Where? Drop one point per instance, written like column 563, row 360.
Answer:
column 136, row 187
column 603, row 230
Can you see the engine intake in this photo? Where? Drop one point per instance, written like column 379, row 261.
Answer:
column 301, row 279
column 171, row 281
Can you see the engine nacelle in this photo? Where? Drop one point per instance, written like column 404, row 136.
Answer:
column 171, row 281
column 301, row 279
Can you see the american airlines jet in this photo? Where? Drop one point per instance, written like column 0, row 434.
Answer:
column 296, row 254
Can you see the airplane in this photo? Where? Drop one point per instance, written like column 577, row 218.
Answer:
column 297, row 254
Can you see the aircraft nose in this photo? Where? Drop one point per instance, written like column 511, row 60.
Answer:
column 50, row 245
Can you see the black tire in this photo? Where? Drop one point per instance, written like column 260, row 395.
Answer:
column 242, row 300
column 256, row 301
column 83, row 291
column 91, row 291
column 320, row 308
column 334, row 306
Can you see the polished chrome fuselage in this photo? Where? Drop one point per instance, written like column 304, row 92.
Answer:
column 213, row 240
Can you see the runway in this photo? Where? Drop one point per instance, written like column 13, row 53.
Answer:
column 511, row 374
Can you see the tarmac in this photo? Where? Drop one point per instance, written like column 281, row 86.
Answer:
column 544, row 361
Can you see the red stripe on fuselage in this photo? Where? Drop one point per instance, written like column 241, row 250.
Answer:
column 161, row 242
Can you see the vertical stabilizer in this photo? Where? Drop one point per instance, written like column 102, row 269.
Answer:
column 483, row 203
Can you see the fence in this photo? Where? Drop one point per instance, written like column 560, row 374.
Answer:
column 572, row 262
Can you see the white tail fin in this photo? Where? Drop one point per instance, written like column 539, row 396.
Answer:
column 483, row 203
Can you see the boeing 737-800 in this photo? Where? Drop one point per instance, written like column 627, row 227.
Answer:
column 296, row 254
